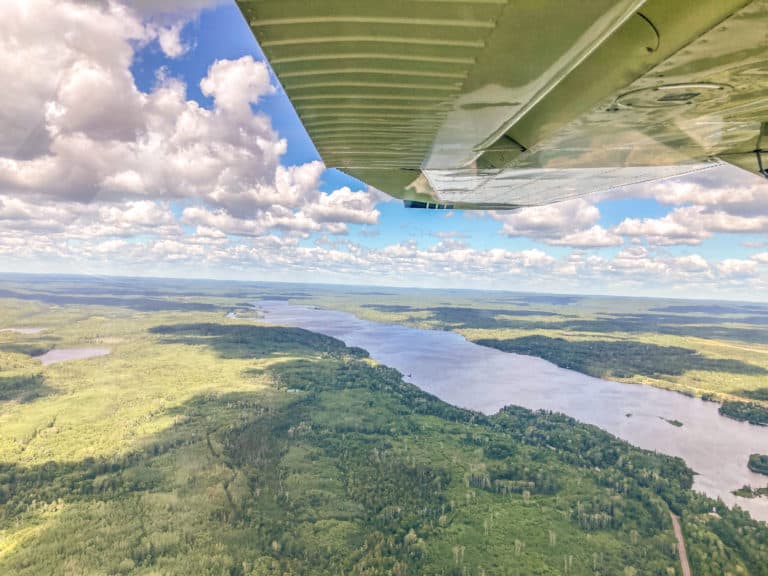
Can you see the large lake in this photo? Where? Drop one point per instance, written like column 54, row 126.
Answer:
column 471, row 376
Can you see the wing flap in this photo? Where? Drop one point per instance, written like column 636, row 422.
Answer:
column 493, row 102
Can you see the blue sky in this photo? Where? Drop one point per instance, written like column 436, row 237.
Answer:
column 165, row 146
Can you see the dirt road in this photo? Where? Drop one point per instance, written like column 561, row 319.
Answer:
column 680, row 545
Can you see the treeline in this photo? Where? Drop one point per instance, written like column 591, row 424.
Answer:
column 452, row 317
column 618, row 359
column 745, row 411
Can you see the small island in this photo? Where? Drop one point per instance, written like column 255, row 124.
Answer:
column 675, row 423
column 758, row 463
column 747, row 491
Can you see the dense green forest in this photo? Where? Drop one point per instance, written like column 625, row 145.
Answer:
column 747, row 491
column 758, row 463
column 606, row 359
column 206, row 445
column 745, row 411
column 312, row 459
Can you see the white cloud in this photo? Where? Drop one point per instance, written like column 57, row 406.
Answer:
column 300, row 208
column 662, row 231
column 594, row 237
column 79, row 129
column 690, row 225
column 289, row 187
column 734, row 268
column 110, row 246
column 570, row 223
column 693, row 263
column 169, row 38
column 42, row 44
column 724, row 199
column 637, row 260
column 235, row 84
column 344, row 205
column 77, row 220
column 550, row 222
column 725, row 195
column 81, row 134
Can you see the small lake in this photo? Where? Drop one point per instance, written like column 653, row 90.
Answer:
column 66, row 354
column 484, row 379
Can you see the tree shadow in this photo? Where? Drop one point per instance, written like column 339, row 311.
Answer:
column 623, row 359
column 469, row 316
column 489, row 318
column 710, row 327
column 139, row 303
column 249, row 340
column 27, row 348
column 24, row 389
column 30, row 345
column 388, row 307
column 676, row 325
column 719, row 309
column 553, row 299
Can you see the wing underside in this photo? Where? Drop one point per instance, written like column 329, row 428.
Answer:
column 494, row 103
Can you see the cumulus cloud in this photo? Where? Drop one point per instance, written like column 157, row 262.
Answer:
column 725, row 199
column 277, row 218
column 570, row 223
column 86, row 221
column 724, row 195
column 96, row 156
column 735, row 268
column 690, row 225
column 344, row 205
column 664, row 231
column 56, row 40
column 693, row 263
column 551, row 221
column 236, row 84
column 442, row 263
column 169, row 38
column 80, row 129
column 594, row 237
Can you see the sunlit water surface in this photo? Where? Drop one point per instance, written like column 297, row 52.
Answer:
column 484, row 379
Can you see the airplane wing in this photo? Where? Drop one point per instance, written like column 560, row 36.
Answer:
column 509, row 103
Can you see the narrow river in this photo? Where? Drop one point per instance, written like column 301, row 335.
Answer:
column 484, row 379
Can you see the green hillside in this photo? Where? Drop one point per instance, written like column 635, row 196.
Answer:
column 203, row 445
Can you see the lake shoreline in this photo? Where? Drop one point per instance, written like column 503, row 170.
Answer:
column 457, row 370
